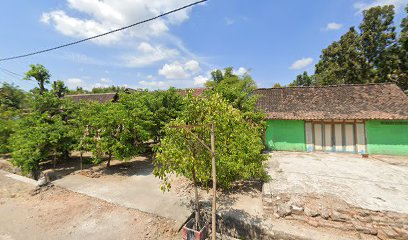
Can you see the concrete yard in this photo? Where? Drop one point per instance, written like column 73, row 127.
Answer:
column 377, row 183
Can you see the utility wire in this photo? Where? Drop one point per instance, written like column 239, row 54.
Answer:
column 103, row 34
column 10, row 72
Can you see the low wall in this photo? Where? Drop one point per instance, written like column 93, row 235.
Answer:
column 331, row 212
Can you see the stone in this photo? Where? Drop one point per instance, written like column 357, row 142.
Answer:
column 325, row 214
column 366, row 219
column 339, row 217
column 312, row 222
column 311, row 212
column 297, row 210
column 403, row 233
column 283, row 210
column 365, row 228
column 389, row 232
column 367, row 237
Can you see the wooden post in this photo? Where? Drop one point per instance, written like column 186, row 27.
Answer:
column 214, row 177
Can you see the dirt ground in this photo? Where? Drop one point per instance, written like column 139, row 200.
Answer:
column 61, row 214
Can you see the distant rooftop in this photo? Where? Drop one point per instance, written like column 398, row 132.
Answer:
column 95, row 97
column 355, row 101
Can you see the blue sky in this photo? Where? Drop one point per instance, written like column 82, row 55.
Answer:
column 273, row 39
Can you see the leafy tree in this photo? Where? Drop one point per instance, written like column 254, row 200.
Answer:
column 401, row 75
column 59, row 88
column 78, row 90
column 41, row 133
column 40, row 74
column 164, row 107
column 238, row 144
column 8, row 118
column 343, row 62
column 12, row 97
column 302, row 80
column 117, row 130
column 377, row 39
column 110, row 89
column 277, row 85
column 235, row 89
column 12, row 101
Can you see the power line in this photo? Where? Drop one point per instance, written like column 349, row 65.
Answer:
column 103, row 34
column 10, row 72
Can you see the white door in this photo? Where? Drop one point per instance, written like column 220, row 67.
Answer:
column 338, row 138
column 349, row 138
column 328, row 143
column 318, row 137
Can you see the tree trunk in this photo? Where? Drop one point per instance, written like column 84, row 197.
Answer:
column 109, row 159
column 197, row 204
column 80, row 158
column 54, row 161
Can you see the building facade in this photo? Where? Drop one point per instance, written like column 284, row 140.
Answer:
column 370, row 118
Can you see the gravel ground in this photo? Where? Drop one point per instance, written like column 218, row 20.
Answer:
column 61, row 214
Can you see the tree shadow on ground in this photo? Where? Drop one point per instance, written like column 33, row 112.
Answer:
column 141, row 165
column 65, row 167
column 227, row 198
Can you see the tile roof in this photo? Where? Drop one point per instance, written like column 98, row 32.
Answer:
column 98, row 97
column 195, row 91
column 359, row 101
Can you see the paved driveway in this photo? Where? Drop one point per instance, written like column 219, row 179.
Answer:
column 137, row 189
column 376, row 183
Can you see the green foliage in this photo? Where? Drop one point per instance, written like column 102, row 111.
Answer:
column 238, row 91
column 110, row 89
column 40, row 74
column 11, row 97
column 59, row 88
column 277, row 85
column 41, row 133
column 373, row 55
column 302, row 80
column 12, row 101
column 343, row 62
column 78, row 90
column 235, row 89
column 7, row 126
column 159, row 108
column 238, row 144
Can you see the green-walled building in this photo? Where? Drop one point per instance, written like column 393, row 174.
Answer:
column 369, row 118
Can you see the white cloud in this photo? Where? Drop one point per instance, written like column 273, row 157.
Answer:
column 101, row 16
column 241, row 71
column 229, row 21
column 193, row 66
column 148, row 55
column 178, row 70
column 74, row 83
column 154, row 84
column 301, row 63
column 361, row 6
column 105, row 80
column 200, row 80
column 333, row 26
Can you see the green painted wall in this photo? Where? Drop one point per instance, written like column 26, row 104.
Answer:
column 387, row 137
column 285, row 135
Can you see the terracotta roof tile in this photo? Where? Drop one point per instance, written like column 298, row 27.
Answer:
column 365, row 101
column 98, row 97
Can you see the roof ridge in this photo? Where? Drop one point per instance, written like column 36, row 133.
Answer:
column 328, row 86
column 88, row 94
